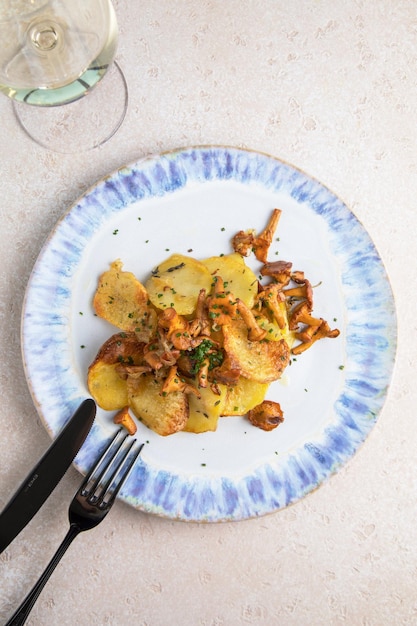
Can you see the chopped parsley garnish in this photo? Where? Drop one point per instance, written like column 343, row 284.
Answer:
column 205, row 350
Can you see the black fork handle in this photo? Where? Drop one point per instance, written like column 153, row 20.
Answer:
column 21, row 615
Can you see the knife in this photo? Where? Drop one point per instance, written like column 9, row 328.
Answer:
column 45, row 476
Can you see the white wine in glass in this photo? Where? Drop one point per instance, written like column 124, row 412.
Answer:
column 53, row 52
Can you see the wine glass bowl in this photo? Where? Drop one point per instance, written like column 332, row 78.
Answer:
column 53, row 53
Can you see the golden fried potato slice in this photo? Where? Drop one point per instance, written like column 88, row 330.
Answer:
column 164, row 414
column 106, row 386
column 206, row 410
column 177, row 282
column 261, row 361
column 121, row 348
column 237, row 276
column 244, row 396
column 123, row 301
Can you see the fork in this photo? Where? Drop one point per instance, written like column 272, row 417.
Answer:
column 88, row 508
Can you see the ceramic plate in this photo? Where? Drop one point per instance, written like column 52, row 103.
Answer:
column 193, row 201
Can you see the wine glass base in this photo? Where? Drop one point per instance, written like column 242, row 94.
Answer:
column 81, row 125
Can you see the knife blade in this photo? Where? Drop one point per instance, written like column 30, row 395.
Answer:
column 46, row 474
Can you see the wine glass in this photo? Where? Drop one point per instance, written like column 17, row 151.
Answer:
column 61, row 52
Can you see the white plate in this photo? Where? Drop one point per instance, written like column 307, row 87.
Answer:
column 193, row 201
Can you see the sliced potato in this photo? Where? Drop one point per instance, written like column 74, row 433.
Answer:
column 244, row 396
column 237, row 276
column 123, row 301
column 103, row 380
column 121, row 348
column 206, row 410
column 164, row 414
column 106, row 386
column 177, row 282
column 261, row 361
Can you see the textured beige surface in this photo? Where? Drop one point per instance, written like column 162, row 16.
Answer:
column 331, row 87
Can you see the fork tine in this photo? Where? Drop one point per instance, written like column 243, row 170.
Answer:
column 127, row 467
column 110, row 475
column 108, row 455
column 110, row 472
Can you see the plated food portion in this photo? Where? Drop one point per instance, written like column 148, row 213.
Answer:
column 192, row 202
column 202, row 339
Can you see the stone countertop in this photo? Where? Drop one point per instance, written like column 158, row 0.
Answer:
column 330, row 87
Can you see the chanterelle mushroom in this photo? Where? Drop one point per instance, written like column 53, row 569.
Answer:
column 303, row 291
column 244, row 242
column 226, row 373
column 175, row 382
column 320, row 332
column 280, row 271
column 132, row 371
column 271, row 296
column 222, row 305
column 255, row 332
column 177, row 329
column 200, row 325
column 123, row 418
column 264, row 239
column 267, row 415
column 301, row 314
